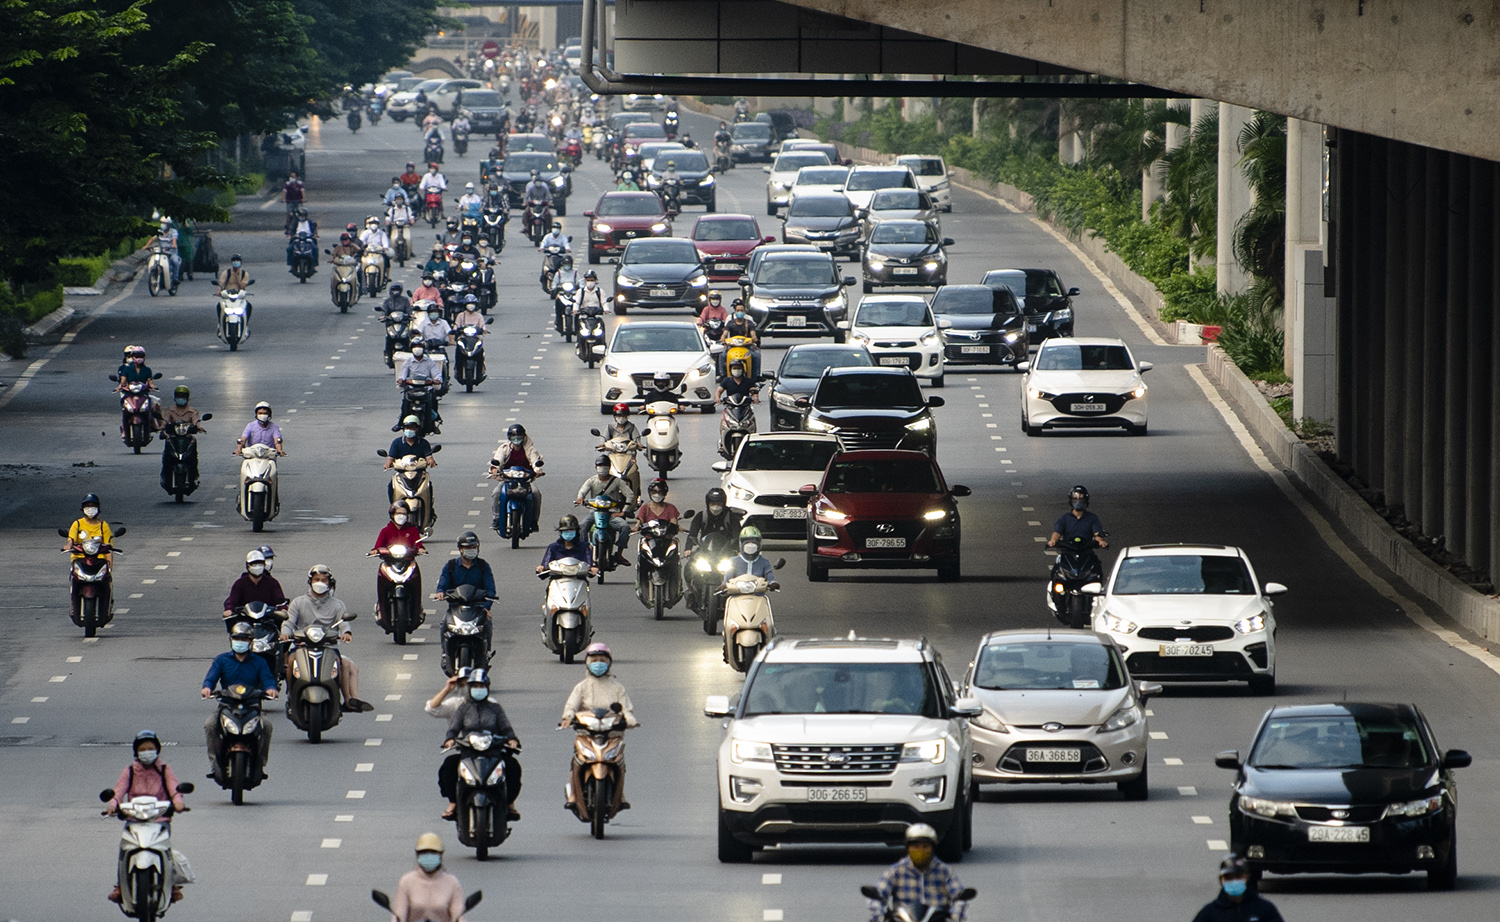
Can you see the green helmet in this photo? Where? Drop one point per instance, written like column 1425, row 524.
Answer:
column 750, row 541
column 749, row 531
column 181, row 390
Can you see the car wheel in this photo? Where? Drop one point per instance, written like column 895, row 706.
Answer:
column 1138, row 430
column 1263, row 685
column 949, row 572
column 621, row 310
column 712, row 204
column 951, row 847
column 868, row 286
column 816, row 573
column 1445, row 877
column 605, row 409
column 731, row 850
column 1137, row 788
column 1030, row 430
column 770, row 208
column 938, row 381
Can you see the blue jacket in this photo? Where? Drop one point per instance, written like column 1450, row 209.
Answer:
column 253, row 673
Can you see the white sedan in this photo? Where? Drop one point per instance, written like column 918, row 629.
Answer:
column 763, row 479
column 1190, row 612
column 642, row 349
column 899, row 331
column 1079, row 382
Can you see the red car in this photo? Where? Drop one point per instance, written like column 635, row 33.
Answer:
column 725, row 241
column 620, row 217
column 882, row 509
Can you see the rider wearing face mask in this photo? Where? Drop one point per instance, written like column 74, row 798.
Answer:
column 716, row 518
column 319, row 607
column 569, row 543
column 238, row 667
column 598, row 689
column 518, row 450
column 262, row 431
column 920, row 879
column 401, row 529
column 181, row 411
column 147, row 776
column 234, row 277
column 467, row 569
column 481, row 712
column 409, row 442
column 90, row 525
column 714, row 311
column 428, row 893
column 606, row 483
column 749, row 561
column 1078, row 523
column 591, row 299
column 741, row 324
column 256, row 584
column 738, row 384
column 656, row 506
column 1238, row 899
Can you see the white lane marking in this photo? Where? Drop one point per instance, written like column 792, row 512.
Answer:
column 75, row 659
column 1331, row 538
column 1218, row 845
column 1171, row 761
column 19, row 720
column 400, row 676
column 317, row 880
column 1150, row 713
column 1038, row 538
column 90, row 640
column 148, row 582
column 41, row 699
column 344, row 818
column 160, row 566
column 408, row 656
column 772, row 915
column 1033, row 523
column 302, row 915
column 58, row 678
column 355, row 795
column 770, row 880
column 393, row 697
column 1028, row 508
column 184, row 539
column 174, row 553
column 332, row 843
column 1203, row 820
column 383, row 718
column 476, row 499
column 374, row 741
column 1188, row 790
column 1158, row 734
column 472, row 512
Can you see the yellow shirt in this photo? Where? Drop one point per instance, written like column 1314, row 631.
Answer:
column 83, row 529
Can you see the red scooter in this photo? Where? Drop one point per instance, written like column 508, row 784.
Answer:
column 92, row 586
column 137, row 415
column 432, row 207
column 573, row 150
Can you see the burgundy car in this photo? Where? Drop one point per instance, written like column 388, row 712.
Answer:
column 725, row 241
column 620, row 217
column 883, row 509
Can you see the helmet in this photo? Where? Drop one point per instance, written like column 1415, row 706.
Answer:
column 471, row 299
column 468, row 539
column 181, row 390
column 468, row 185
column 371, row 220
column 659, row 484
column 432, row 166
column 591, row 274
column 91, row 499
column 715, row 297
column 411, row 420
column 395, row 288
column 479, row 677
column 534, row 174
column 556, row 225
column 921, row 832
column 429, row 842
column 242, row 631
column 515, row 430
column 145, row 736
column 270, row 555
column 301, row 212
column 737, row 302
column 602, row 461
column 254, row 557
column 395, row 180
column 750, row 535
column 410, row 165
column 132, row 351
column 622, row 409
column 1079, row 494
column 263, row 405
column 319, row 569
column 671, row 164
column 344, row 237
column 399, row 506
column 428, row 278
column 351, row 227
column 567, row 522
column 236, row 257
column 715, row 496
column 1233, row 866
column 598, row 649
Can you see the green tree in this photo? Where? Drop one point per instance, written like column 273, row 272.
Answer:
column 1260, row 234
column 358, row 40
column 1192, row 184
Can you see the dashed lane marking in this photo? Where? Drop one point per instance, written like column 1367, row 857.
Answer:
column 1158, row 735
column 383, row 718
column 1188, row 790
column 20, row 720
column 344, row 818
column 770, row 880
column 374, row 741
column 365, row 767
column 58, row 678
column 355, row 795
column 317, row 880
column 1171, row 761
column 40, row 699
column 75, row 659
column 1203, row 820
column 332, row 843
column 1218, row 845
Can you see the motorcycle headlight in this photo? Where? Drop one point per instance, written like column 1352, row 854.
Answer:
column 921, row 425
column 495, row 774
column 659, row 227
column 316, row 634
column 1126, row 716
column 1117, row 625
column 933, row 751
column 603, row 228
column 228, row 724
column 560, row 181
column 467, row 774
column 742, row 494
column 702, row 565
column 1413, row 808
column 725, row 566
column 1251, row 625
column 748, row 751
column 1260, row 806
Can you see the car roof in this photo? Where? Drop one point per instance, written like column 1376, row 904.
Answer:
column 791, row 437
column 824, row 347
column 718, row 215
column 847, row 650
column 872, row 370
column 1355, row 708
column 898, row 222
column 656, row 325
column 1026, row 271
column 798, row 251
column 1168, row 550
column 885, row 454
column 1032, row 635
column 882, row 168
column 892, row 296
column 1084, row 341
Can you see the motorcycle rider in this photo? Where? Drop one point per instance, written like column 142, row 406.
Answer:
column 428, row 893
column 470, row 202
column 714, row 311
column 656, row 506
column 467, row 569
column 347, row 247
column 256, row 584
column 395, row 300
column 293, row 194
column 134, row 370
column 597, row 689
column 87, row 526
column 409, row 442
column 422, row 368
column 400, row 214
column 591, row 297
column 1238, row 898
column 749, row 562
column 461, row 125
column 427, row 291
column 318, row 606
column 737, row 384
column 717, row 518
column 432, row 122
column 433, row 180
column 721, row 134
column 166, row 238
column 261, row 432
column 375, row 238
column 519, row 450
column 670, row 174
column 627, row 183
column 481, row 712
column 411, row 177
column 438, row 264
column 556, row 238
column 147, row 776
column 470, row 316
column 434, row 331
column 687, row 141
column 920, row 879
column 234, row 276
column 238, row 667
column 399, row 530
column 1078, row 522
column 397, row 191
column 568, row 544
column 181, row 411
column 606, row 483
column 740, row 324
column 299, row 224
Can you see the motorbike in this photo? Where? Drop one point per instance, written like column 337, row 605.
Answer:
column 411, row 485
column 377, row 109
column 468, row 224
column 554, row 261
column 601, row 538
column 481, row 793
column 354, row 120
column 137, row 414
column 313, row 697
column 722, row 161
column 564, row 293
column 148, row 866
column 91, row 585
column 432, row 151
column 234, row 317
column 538, row 219
column 590, row 328
column 484, row 284
column 671, row 196
column 421, row 399
column 492, row 227
column 265, row 620
column 748, row 625
column 737, row 349
column 182, row 454
column 603, row 142
column 736, row 422
column 912, row 912
column 397, row 334
column 384, row 901
column 344, row 286
column 460, row 141
column 304, row 257
column 400, row 235
column 710, row 561
column 466, row 643
column 432, row 207
column 1076, row 565
column 573, row 151
column 398, row 599
column 661, row 437
column 372, row 271
column 468, row 359
column 259, row 498
column 510, row 500
column 713, row 328
column 598, row 769
column 669, row 124
column 741, row 112
column 566, row 626
column 622, row 461
column 237, row 766
column 658, row 568
column 159, row 272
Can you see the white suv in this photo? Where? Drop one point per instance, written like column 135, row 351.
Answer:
column 844, row 740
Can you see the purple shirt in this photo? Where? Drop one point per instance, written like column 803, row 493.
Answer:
column 256, row 434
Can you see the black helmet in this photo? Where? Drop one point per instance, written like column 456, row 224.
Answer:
column 468, row 539
column 91, row 499
column 715, row 496
column 236, row 257
column 145, row 736
column 602, row 461
column 1080, row 495
column 591, row 274
column 659, row 484
column 568, row 523
column 1233, row 866
column 516, row 429
column 242, row 631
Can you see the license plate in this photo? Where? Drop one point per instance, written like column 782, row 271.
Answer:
column 1088, row 408
column 1053, row 755
column 831, row 795
column 725, row 267
column 661, row 292
column 790, row 512
column 885, row 542
column 1031, row 328
column 796, row 321
column 974, row 350
column 1338, row 833
column 1186, row 649
column 892, row 360
column 904, row 270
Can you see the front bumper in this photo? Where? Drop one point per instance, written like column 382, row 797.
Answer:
column 739, row 153
column 922, row 361
column 925, row 547
column 798, row 318
column 724, row 268
column 1105, row 758
column 1281, row 846
column 700, row 391
column 894, row 274
column 1042, row 326
column 613, row 243
column 763, row 515
column 1237, row 659
column 1119, row 411
column 641, row 298
column 780, row 810
column 839, row 244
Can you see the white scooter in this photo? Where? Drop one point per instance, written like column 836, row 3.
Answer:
column 660, row 437
column 748, row 625
column 566, row 628
column 411, row 485
column 622, row 459
column 259, row 500
column 148, row 866
column 372, row 270
column 234, row 316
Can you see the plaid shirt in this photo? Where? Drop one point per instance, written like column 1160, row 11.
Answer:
column 903, row 883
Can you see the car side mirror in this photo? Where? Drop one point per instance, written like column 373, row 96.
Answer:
column 719, row 467
column 1094, row 588
column 766, row 239
column 765, row 169
column 1229, row 758
column 1145, row 367
column 947, row 241
column 807, row 490
column 614, row 262
column 960, row 490
column 1273, row 589
column 716, row 349
column 843, row 324
column 849, row 281
column 1147, row 690
column 380, row 452
column 967, row 707
column 1023, row 367
column 381, row 900
column 945, row 324
column 1457, row 758
column 588, row 214
column 745, row 279
column 716, row 706
column 1073, row 292
column 936, row 402
column 802, row 403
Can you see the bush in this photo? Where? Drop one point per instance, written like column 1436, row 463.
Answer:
column 82, row 271
column 716, row 100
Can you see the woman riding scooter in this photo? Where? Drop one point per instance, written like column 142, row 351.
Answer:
column 399, row 530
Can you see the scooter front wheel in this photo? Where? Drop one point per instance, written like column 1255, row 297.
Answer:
column 143, row 885
column 89, row 609
column 240, row 767
column 596, row 795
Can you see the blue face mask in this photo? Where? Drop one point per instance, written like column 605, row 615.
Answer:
column 1234, row 887
column 429, row 861
column 567, row 535
column 598, row 669
column 240, row 646
column 479, row 693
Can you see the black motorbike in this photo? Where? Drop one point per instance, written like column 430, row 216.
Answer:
column 482, row 792
column 432, row 152
column 484, row 285
column 468, row 358
column 554, row 259
column 669, row 124
column 180, row 455
column 466, row 630
column 304, row 256
column 265, row 621
column 399, row 600
column 564, row 294
column 237, row 766
column 671, row 197
column 1075, row 567
column 460, row 141
column 397, row 335
column 354, row 119
column 709, row 563
column 658, row 567
column 420, row 399
column 590, row 336
column 492, row 226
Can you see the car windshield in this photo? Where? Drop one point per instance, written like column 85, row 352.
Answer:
column 866, row 391
column 888, row 232
column 645, row 130
column 755, row 131
column 896, row 200
column 525, row 163
column 786, row 455
column 1183, row 574
column 725, row 229
column 427, row 86
column 483, row 99
column 1057, row 356
column 1386, row 740
column 1013, row 281
column 901, row 313
column 812, row 364
column 687, row 162
column 842, row 688
column 660, row 251
column 894, row 475
column 788, row 163
column 1048, row 666
column 629, row 205
column 656, row 339
column 1043, row 284
column 962, row 299
column 822, row 176
column 409, row 83
column 816, row 271
column 822, row 206
column 629, row 118
column 866, row 180
column 922, row 166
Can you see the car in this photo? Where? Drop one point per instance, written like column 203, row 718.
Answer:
column 484, row 108
column 660, row 272
column 1346, row 788
column 1190, row 612
column 901, row 204
column 883, row 509
column 932, row 175
column 619, row 217
column 697, row 174
column 985, row 325
column 797, row 376
column 767, row 471
column 820, row 180
column 642, row 102
column 637, row 133
column 531, row 140
column 782, row 125
column 905, row 253
column 750, row 141
column 1083, row 382
column 874, row 408
column 814, row 144
column 641, row 349
column 1047, row 305
column 900, row 332
column 828, row 222
column 1060, row 707
column 783, row 172
column 843, row 740
column 865, row 181
column 724, row 242
column 796, row 293
column 758, row 255
column 515, row 172
column 404, row 105
column 445, row 97
column 649, row 150
column 573, row 56
column 620, row 119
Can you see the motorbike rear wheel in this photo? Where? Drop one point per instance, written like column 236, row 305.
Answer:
column 659, row 606
column 398, row 617
column 238, row 771
column 1079, row 611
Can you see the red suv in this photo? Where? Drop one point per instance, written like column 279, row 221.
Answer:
column 620, row 217
column 883, row 509
column 725, row 241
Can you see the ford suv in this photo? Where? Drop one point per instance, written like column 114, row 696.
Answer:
column 847, row 740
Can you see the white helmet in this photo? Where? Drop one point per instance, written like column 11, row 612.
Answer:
column 921, row 832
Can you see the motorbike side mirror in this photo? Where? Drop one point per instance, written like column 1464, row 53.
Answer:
column 473, row 899
column 381, row 900
column 156, row 377
column 185, row 787
column 780, row 562
column 960, row 490
column 1229, row 758
column 380, row 452
column 596, row 432
column 249, row 283
column 326, row 250
column 106, row 795
column 967, row 893
column 1094, row 588
column 849, row 280
column 869, row 892
column 808, row 490
column 120, row 532
column 114, row 377
column 206, row 417
column 351, row 616
column 436, row 449
column 689, row 513
column 713, row 706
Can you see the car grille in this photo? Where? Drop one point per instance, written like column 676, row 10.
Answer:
column 855, row 441
column 1090, row 759
column 1111, row 402
column 1224, row 664
column 1197, row 634
column 834, row 814
column 780, row 499
column 1358, row 814
column 859, row 531
column 980, row 336
column 842, row 759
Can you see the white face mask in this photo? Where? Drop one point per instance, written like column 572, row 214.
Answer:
column 91, row 511
column 146, row 756
column 257, row 569
column 751, row 548
column 410, row 433
column 319, row 588
column 416, row 353
column 470, row 553
column 263, row 417
column 399, row 519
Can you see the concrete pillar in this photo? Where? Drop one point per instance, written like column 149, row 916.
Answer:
column 547, row 27
column 1479, row 422
column 976, row 110
column 1304, row 217
column 915, row 107
column 1455, row 372
column 1235, row 197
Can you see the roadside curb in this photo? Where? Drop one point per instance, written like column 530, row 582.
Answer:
column 121, row 270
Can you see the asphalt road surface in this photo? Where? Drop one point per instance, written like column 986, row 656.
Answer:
column 336, row 819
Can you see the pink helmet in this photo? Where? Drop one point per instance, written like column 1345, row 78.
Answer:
column 598, row 649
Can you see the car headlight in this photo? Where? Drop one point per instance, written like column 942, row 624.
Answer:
column 991, row 721
column 934, row 751
column 936, row 515
column 612, row 371
column 1251, row 625
column 748, row 751
column 831, row 300
column 928, row 338
column 699, row 281
column 603, row 228
column 1416, row 807
column 785, row 401
column 1139, row 392
column 658, row 227
column 1036, row 393
column 1012, row 337
column 818, row 425
column 1126, row 716
column 761, row 304
column 859, row 339
column 1063, row 314
column 921, row 425
column 875, row 265
column 706, row 181
column 625, row 281
column 834, row 515
column 940, row 186
column 704, row 371
column 930, row 265
column 1117, row 625
column 1259, row 806
column 741, row 494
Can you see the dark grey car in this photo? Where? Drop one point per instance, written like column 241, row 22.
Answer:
column 797, row 293
column 485, row 109
column 905, row 253
column 986, row 326
column 516, row 171
column 798, row 375
column 751, row 141
column 827, row 222
column 1047, row 305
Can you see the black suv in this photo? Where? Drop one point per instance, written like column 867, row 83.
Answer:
column 485, row 109
column 797, row 293
column 516, row 173
column 873, row 408
column 1047, row 305
column 696, row 175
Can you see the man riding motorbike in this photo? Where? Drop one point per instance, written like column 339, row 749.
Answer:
column 235, row 276
column 397, row 192
column 749, row 562
column 470, row 202
column 421, row 368
column 262, row 431
column 134, row 370
column 166, row 238
column 181, row 411
column 433, row 180
column 481, row 712
column 920, row 879
column 1078, row 523
column 717, row 518
column 467, row 569
column 519, row 450
column 256, row 584
column 740, row 324
column 597, row 689
column 736, row 384
column 627, row 183
column 427, row 291
column 238, row 667
column 318, row 606
column 604, row 482
column 395, row 301
column 375, row 238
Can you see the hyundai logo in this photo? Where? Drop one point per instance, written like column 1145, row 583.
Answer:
column 1341, row 814
column 836, row 758
column 1052, row 727
column 885, row 528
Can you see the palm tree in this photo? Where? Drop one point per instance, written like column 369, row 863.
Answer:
column 1192, row 206
column 1260, row 234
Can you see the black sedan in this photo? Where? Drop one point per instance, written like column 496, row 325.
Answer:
column 516, row 172
column 1047, row 305
column 985, row 326
column 827, row 222
column 660, row 272
column 1346, row 789
column 798, row 375
column 905, row 252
